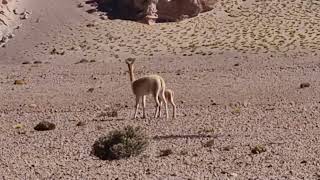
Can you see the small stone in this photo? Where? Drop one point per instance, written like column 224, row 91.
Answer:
column 245, row 103
column 165, row 152
column 210, row 143
column 15, row 11
column 90, row 90
column 53, row 51
column 227, row 148
column 233, row 174
column 33, row 105
column 83, row 61
column 37, row 62
column 90, row 11
column 90, row 25
column 304, row 85
column 104, row 17
column 81, row 123
column 99, row 127
column 44, row 126
column 236, row 64
column 19, row 82
column 10, row 36
column 26, row 62
column 24, row 15
column 258, row 149
column 18, row 126
column 303, row 162
column 80, row 5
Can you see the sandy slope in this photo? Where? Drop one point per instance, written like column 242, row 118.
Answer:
column 236, row 72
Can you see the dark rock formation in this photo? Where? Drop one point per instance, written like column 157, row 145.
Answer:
column 151, row 11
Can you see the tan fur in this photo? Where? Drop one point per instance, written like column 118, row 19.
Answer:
column 169, row 94
column 151, row 84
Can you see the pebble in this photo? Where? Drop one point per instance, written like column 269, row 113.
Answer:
column 45, row 126
column 304, row 85
column 19, row 82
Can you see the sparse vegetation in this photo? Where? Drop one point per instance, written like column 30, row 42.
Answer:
column 118, row 144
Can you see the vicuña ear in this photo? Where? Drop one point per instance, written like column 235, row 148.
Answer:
column 130, row 60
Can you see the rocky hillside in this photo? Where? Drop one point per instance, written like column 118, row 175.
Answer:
column 8, row 20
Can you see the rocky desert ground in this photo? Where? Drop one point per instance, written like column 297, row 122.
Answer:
column 246, row 77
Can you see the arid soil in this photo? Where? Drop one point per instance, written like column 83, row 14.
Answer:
column 236, row 72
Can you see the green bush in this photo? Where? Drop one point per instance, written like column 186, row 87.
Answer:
column 120, row 144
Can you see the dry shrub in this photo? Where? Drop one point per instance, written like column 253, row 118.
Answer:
column 118, row 144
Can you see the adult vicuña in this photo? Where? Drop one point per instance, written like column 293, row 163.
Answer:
column 169, row 94
column 151, row 84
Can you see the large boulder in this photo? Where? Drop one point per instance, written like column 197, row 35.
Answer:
column 151, row 11
column 176, row 10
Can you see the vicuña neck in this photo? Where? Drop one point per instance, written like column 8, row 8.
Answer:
column 131, row 72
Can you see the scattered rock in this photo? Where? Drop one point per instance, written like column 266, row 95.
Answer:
column 213, row 103
column 19, row 82
column 26, row 62
column 165, row 152
column 90, row 11
column 92, row 61
column 99, row 127
column 227, row 148
column 10, row 36
column 210, row 143
column 184, row 152
column 33, row 105
column 258, row 149
column 80, row 5
column 90, row 90
column 110, row 113
column 18, row 126
column 55, row 51
column 81, row 123
column 304, row 85
column 236, row 64
column 245, row 103
column 236, row 111
column 24, row 15
column 45, row 126
column 303, row 162
column 37, row 62
column 104, row 17
column 82, row 61
column 90, row 25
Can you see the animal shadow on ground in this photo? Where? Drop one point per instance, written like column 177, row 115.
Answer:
column 191, row 136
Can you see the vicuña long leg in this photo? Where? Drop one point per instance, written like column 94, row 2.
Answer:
column 174, row 107
column 144, row 106
column 160, row 109
column 165, row 102
column 156, row 98
column 136, row 107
